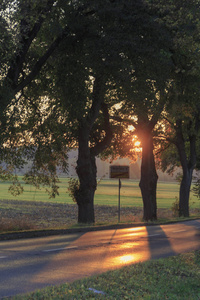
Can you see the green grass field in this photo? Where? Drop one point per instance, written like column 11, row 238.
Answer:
column 106, row 194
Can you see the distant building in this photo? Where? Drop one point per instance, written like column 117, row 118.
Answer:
column 103, row 167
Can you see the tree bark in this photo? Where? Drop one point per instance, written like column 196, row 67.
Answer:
column 86, row 163
column 149, row 178
column 188, row 163
column 86, row 171
column 184, row 193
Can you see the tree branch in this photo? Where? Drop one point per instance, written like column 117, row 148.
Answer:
column 27, row 37
column 100, row 146
column 40, row 63
column 121, row 120
column 159, row 109
column 97, row 99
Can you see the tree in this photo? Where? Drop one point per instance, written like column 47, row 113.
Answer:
column 86, row 34
column 119, row 52
column 33, row 30
column 183, row 109
column 23, row 54
column 181, row 149
column 146, row 106
column 81, row 95
column 74, row 85
column 145, row 86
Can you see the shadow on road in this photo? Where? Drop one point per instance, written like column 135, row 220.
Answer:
column 159, row 243
column 27, row 266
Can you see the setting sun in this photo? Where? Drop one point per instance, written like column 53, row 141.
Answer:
column 137, row 144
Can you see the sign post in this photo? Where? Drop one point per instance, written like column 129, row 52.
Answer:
column 119, row 172
column 119, row 201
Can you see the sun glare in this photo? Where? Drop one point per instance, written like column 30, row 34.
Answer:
column 136, row 143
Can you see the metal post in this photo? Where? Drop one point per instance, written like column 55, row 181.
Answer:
column 119, row 201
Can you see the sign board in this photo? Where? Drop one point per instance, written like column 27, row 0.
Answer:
column 119, row 171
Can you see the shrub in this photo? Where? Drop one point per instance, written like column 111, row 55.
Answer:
column 15, row 224
column 73, row 188
column 175, row 207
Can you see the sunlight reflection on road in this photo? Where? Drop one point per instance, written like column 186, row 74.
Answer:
column 138, row 231
column 95, row 255
column 131, row 252
column 135, row 229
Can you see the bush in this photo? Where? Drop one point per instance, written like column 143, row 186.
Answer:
column 175, row 207
column 196, row 188
column 73, row 188
column 8, row 224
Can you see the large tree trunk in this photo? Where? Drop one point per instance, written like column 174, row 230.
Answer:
column 86, row 170
column 184, row 193
column 149, row 178
column 188, row 163
column 86, row 163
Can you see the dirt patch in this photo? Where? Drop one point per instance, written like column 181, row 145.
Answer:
column 22, row 215
column 43, row 215
column 36, row 215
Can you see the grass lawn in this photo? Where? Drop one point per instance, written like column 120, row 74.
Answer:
column 176, row 277
column 106, row 194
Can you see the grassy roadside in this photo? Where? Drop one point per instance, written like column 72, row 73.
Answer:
column 17, row 216
column 34, row 211
column 176, row 277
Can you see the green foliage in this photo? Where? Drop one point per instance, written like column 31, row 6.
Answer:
column 175, row 207
column 73, row 188
column 16, row 188
column 126, row 41
column 168, row 158
column 182, row 106
column 39, row 178
column 22, row 50
column 196, row 187
column 12, row 164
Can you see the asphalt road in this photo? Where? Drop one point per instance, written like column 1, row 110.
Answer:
column 30, row 264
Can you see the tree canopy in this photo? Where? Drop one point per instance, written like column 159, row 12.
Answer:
column 66, row 65
column 182, row 111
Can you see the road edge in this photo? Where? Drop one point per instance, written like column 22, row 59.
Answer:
column 51, row 232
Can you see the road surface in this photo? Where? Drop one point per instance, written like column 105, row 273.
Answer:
column 31, row 264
